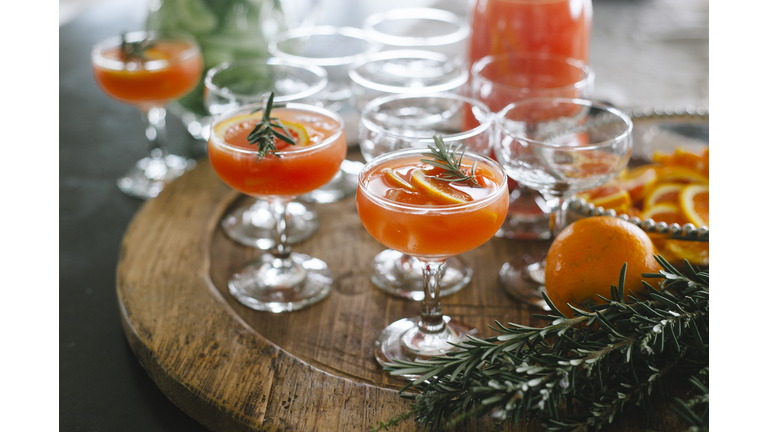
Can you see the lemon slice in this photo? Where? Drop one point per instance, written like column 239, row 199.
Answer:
column 400, row 182
column 437, row 190
column 694, row 202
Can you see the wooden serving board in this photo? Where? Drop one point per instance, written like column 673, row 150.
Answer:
column 232, row 368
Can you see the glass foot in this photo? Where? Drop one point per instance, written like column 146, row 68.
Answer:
column 403, row 340
column 523, row 279
column 343, row 184
column 150, row 175
column 527, row 217
column 274, row 285
column 401, row 275
column 254, row 226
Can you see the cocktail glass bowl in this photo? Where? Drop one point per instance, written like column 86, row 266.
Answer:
column 231, row 85
column 558, row 147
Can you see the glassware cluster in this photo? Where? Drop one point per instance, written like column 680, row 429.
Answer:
column 514, row 104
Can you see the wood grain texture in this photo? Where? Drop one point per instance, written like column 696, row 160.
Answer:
column 232, row 368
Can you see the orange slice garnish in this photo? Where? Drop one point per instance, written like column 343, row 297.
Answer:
column 694, row 202
column 437, row 190
column 297, row 131
column 664, row 212
column 668, row 193
column 393, row 177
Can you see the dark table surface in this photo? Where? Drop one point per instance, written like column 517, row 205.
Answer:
column 102, row 387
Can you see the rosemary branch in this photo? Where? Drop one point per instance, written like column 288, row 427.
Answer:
column 575, row 374
column 134, row 51
column 265, row 133
column 446, row 158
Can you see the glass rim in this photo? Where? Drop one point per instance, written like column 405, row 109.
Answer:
column 301, row 32
column 246, row 109
column 454, row 83
column 364, row 114
column 480, row 65
column 582, row 102
column 114, row 41
column 432, row 14
column 425, row 209
column 269, row 61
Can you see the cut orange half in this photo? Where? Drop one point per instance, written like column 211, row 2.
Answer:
column 694, row 202
column 437, row 190
column 664, row 212
column 394, row 178
column 668, row 193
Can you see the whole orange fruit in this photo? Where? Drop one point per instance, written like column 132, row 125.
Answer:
column 586, row 259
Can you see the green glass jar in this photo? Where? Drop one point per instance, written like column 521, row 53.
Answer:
column 226, row 30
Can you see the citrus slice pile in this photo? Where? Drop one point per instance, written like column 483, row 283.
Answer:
column 675, row 189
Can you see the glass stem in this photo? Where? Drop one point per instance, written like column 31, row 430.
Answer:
column 431, row 320
column 282, row 249
column 559, row 206
column 154, row 129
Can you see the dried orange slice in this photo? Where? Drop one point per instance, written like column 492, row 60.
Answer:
column 398, row 181
column 609, row 196
column 677, row 174
column 665, row 212
column 639, row 181
column 437, row 190
column 663, row 193
column 694, row 202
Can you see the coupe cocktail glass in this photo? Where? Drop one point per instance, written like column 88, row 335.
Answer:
column 558, row 147
column 231, row 85
column 335, row 49
column 406, row 121
column 413, row 223
column 500, row 80
column 281, row 280
column 428, row 29
column 169, row 68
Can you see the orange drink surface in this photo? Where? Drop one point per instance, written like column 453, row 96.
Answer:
column 172, row 69
column 560, row 27
column 405, row 210
column 292, row 171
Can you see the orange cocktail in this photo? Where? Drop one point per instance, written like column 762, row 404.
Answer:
column 294, row 170
column 170, row 70
column 147, row 70
column 416, row 224
column 277, row 171
column 403, row 203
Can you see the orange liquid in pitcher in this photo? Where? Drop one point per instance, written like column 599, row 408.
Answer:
column 172, row 69
column 299, row 169
column 414, row 223
column 560, row 27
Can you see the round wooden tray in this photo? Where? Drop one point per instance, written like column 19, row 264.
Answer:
column 232, row 368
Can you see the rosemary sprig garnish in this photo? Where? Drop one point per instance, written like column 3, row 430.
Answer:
column 446, row 158
column 575, row 374
column 264, row 133
column 135, row 51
